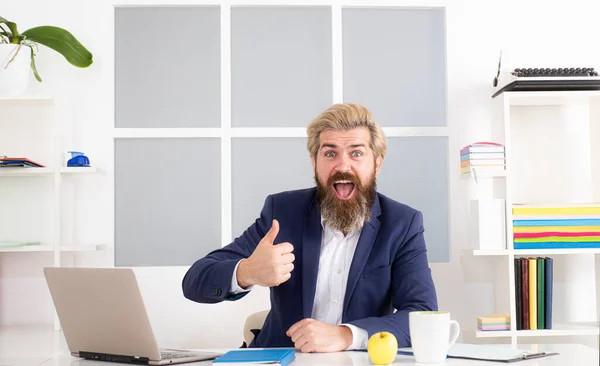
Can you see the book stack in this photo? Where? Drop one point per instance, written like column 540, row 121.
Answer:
column 533, row 293
column 485, row 157
column 18, row 162
column 493, row 322
column 556, row 227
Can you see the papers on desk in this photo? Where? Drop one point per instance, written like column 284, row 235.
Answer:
column 267, row 356
column 487, row 353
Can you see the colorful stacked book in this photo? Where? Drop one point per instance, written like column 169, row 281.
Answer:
column 482, row 157
column 533, row 292
column 493, row 322
column 556, row 227
column 18, row 162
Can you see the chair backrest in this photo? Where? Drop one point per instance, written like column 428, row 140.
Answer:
column 254, row 321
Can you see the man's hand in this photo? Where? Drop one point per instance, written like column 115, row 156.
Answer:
column 310, row 335
column 269, row 265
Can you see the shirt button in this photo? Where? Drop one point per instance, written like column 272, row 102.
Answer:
column 339, row 271
column 335, row 301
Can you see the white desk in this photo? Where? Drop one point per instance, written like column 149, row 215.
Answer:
column 570, row 355
column 27, row 346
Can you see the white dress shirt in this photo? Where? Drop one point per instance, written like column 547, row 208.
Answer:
column 335, row 259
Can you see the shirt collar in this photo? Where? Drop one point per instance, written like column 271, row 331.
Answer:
column 332, row 231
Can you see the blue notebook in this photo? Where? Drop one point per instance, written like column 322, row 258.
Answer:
column 267, row 356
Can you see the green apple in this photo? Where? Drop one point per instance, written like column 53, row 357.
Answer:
column 382, row 348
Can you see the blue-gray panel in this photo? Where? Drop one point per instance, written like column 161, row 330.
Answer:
column 167, row 66
column 280, row 65
column 415, row 172
column 394, row 63
column 167, row 200
column 263, row 166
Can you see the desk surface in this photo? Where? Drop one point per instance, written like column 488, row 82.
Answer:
column 570, row 354
column 35, row 347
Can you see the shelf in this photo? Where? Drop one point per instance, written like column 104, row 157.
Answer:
column 556, row 251
column 558, row 330
column 540, row 252
column 493, row 333
column 80, row 248
column 25, row 97
column 50, row 248
column 78, row 170
column 561, row 330
column 533, row 98
column 25, row 172
column 29, row 248
column 479, row 252
column 484, row 175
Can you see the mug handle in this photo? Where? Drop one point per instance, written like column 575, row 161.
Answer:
column 455, row 331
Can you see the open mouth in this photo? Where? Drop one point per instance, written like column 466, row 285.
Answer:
column 344, row 189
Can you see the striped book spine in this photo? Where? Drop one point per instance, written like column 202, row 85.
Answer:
column 556, row 227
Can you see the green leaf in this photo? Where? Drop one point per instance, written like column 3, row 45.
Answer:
column 13, row 28
column 35, row 72
column 62, row 42
column 5, row 36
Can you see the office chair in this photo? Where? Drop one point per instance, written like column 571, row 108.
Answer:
column 254, row 323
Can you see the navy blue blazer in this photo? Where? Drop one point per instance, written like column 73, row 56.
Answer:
column 389, row 269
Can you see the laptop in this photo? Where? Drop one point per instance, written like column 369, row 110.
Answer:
column 103, row 317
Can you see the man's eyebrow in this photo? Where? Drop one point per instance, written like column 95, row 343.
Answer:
column 357, row 145
column 333, row 146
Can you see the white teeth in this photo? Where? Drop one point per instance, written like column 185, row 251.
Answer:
column 343, row 181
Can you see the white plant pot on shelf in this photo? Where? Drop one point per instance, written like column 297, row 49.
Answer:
column 15, row 70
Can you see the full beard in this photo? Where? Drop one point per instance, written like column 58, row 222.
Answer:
column 346, row 215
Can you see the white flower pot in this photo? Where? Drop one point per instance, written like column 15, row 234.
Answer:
column 15, row 74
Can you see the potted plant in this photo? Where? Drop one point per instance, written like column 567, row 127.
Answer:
column 18, row 50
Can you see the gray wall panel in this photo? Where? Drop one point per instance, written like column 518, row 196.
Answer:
column 263, row 166
column 168, row 198
column 167, row 67
column 281, row 65
column 394, row 63
column 415, row 172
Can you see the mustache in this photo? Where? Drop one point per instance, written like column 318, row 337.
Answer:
column 344, row 176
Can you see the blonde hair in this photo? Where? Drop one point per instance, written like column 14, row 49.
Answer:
column 344, row 117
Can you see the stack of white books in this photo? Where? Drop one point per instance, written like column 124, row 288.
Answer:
column 485, row 157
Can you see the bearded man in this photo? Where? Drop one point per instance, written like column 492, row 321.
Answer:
column 342, row 261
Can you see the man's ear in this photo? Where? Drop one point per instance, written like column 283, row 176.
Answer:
column 378, row 163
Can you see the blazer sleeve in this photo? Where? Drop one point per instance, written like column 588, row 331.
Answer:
column 412, row 286
column 209, row 279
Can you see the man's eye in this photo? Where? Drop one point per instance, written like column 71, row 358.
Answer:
column 356, row 154
column 330, row 154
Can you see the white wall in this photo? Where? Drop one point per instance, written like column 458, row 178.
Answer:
column 532, row 33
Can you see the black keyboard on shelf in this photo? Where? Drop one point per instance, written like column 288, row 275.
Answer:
column 556, row 72
column 546, row 79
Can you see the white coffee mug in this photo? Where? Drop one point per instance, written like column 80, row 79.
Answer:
column 430, row 335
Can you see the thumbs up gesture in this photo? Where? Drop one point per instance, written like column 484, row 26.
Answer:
column 270, row 264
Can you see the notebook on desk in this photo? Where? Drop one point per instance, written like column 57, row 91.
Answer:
column 488, row 353
column 263, row 356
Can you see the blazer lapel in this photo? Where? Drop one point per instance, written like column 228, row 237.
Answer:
column 362, row 252
column 311, row 250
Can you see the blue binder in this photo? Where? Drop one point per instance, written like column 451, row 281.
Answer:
column 283, row 356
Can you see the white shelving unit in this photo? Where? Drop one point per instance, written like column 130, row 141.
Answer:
column 552, row 143
column 51, row 157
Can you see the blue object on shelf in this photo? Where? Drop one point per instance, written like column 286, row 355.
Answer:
column 78, row 159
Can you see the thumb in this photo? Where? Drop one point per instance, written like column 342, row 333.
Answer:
column 272, row 233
